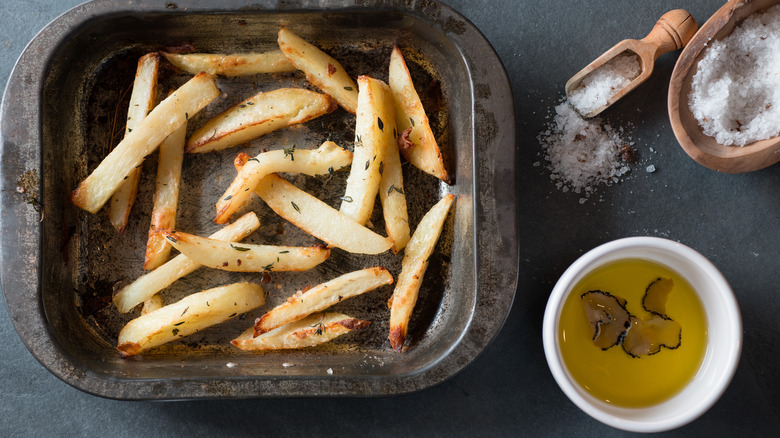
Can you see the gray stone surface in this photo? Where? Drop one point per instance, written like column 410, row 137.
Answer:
column 508, row 390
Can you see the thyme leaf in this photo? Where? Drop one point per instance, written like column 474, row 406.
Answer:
column 239, row 248
column 290, row 151
column 393, row 187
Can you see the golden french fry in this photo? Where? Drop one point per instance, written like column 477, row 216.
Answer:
column 322, row 296
column 165, row 118
column 237, row 64
column 224, row 255
column 166, row 198
column 313, row 330
column 147, row 285
column 371, row 137
column 391, row 185
column 151, row 304
column 324, row 160
column 413, row 267
column 320, row 68
column 420, row 147
column 193, row 313
column 142, row 101
column 318, row 218
column 260, row 114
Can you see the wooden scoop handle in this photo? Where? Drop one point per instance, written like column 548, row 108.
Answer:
column 671, row 32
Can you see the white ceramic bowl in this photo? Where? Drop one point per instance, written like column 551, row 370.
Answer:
column 724, row 339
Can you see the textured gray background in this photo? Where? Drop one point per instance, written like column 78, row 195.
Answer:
column 508, row 390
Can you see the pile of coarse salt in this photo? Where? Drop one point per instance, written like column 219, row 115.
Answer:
column 735, row 93
column 601, row 84
column 583, row 153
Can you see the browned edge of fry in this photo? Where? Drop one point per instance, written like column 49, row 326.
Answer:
column 397, row 338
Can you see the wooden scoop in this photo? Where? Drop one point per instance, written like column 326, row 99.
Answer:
column 703, row 148
column 672, row 32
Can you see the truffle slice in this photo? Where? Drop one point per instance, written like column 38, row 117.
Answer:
column 656, row 295
column 647, row 336
column 607, row 316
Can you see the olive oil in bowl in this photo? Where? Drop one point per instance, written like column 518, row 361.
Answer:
column 618, row 375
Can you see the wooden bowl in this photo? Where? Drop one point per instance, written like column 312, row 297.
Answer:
column 703, row 148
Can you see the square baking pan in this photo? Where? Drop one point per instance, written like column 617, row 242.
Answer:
column 60, row 265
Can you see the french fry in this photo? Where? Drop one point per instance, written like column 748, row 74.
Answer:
column 318, row 218
column 420, row 148
column 147, row 285
column 313, row 330
column 224, row 255
column 413, row 267
column 260, row 114
column 320, row 297
column 320, row 69
column 151, row 304
column 142, row 101
column 168, row 116
column 324, row 160
column 237, row 64
column 371, row 137
column 166, row 198
column 193, row 313
column 391, row 185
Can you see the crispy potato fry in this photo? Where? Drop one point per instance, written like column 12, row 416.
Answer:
column 313, row 330
column 421, row 148
column 193, row 313
column 413, row 267
column 260, row 114
column 147, row 285
column 391, row 185
column 324, row 160
column 142, row 101
column 165, row 118
column 221, row 254
column 320, row 297
column 371, row 137
column 237, row 64
column 320, row 69
column 151, row 304
column 166, row 198
column 318, row 218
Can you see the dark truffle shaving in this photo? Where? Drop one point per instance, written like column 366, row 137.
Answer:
column 656, row 295
column 647, row 336
column 609, row 320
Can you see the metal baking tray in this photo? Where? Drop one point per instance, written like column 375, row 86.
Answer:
column 60, row 265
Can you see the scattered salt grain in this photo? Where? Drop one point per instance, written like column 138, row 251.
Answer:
column 601, row 84
column 288, row 364
column 330, row 370
column 230, row 364
column 650, row 169
column 582, row 153
column 735, row 95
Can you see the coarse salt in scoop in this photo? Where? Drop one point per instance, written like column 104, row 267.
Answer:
column 614, row 74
